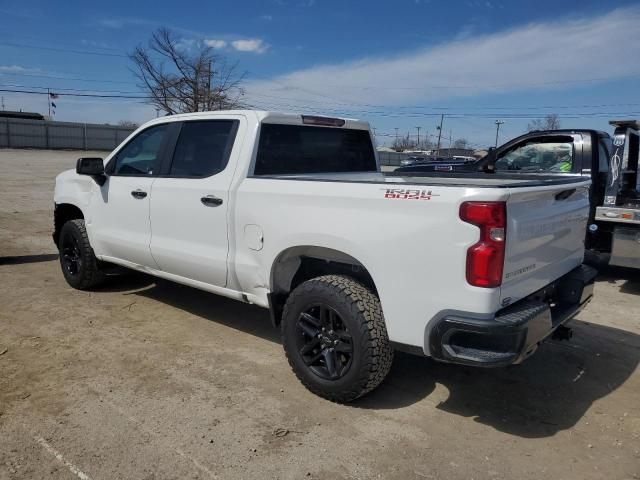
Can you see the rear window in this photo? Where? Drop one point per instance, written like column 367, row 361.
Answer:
column 539, row 156
column 293, row 149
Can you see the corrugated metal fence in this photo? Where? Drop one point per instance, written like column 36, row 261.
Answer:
column 20, row 133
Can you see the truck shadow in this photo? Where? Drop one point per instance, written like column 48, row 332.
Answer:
column 549, row 392
column 23, row 259
column 630, row 278
column 225, row 311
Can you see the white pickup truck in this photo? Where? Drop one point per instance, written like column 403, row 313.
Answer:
column 291, row 212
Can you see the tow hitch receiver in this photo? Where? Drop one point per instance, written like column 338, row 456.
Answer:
column 562, row 333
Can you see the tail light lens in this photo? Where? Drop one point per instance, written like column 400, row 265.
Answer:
column 485, row 259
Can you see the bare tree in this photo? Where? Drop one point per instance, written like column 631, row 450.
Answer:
column 181, row 80
column 409, row 143
column 550, row 122
column 460, row 143
column 128, row 124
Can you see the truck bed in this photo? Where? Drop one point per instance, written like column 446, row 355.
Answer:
column 474, row 179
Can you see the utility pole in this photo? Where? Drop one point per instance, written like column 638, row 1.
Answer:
column 498, row 123
column 450, row 140
column 418, row 142
column 396, row 129
column 49, row 101
column 3, row 103
column 440, row 133
column 208, row 102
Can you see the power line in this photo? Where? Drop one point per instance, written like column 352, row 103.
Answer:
column 468, row 86
column 58, row 77
column 510, row 115
column 64, row 50
column 69, row 89
column 390, row 109
column 439, row 107
column 74, row 94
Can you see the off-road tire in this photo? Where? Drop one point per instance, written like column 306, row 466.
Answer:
column 88, row 274
column 361, row 312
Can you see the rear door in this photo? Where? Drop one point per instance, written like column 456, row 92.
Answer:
column 190, row 201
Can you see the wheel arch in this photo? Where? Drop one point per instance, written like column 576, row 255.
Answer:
column 298, row 264
column 63, row 212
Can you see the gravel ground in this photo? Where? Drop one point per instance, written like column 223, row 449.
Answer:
column 146, row 379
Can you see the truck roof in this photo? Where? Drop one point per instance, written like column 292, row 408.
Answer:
column 264, row 116
column 568, row 130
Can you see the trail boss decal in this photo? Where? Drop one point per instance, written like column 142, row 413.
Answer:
column 408, row 194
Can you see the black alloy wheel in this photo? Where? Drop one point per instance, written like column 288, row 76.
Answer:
column 324, row 344
column 335, row 337
column 79, row 265
column 70, row 253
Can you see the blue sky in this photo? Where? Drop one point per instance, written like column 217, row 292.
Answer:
column 398, row 64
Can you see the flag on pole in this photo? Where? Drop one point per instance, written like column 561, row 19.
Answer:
column 53, row 105
column 53, row 95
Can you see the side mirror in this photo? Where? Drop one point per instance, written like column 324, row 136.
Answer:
column 93, row 167
column 90, row 166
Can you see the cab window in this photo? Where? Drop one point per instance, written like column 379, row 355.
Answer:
column 299, row 149
column 141, row 155
column 532, row 157
column 203, row 148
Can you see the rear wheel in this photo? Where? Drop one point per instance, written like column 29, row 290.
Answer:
column 79, row 265
column 335, row 337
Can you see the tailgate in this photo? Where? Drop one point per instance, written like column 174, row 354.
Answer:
column 546, row 228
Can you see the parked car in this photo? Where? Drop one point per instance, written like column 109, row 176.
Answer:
column 414, row 160
column 292, row 213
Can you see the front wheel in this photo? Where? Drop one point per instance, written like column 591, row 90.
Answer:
column 79, row 265
column 335, row 338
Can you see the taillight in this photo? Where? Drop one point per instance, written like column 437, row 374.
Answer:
column 485, row 259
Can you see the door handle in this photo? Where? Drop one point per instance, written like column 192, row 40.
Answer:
column 211, row 201
column 139, row 194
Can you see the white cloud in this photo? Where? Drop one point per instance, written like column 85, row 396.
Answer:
column 112, row 23
column 560, row 54
column 254, row 45
column 266, row 18
column 17, row 69
column 121, row 22
column 214, row 43
column 11, row 69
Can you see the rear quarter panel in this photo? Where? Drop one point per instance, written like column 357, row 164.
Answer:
column 414, row 248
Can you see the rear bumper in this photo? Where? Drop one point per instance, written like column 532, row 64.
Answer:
column 514, row 332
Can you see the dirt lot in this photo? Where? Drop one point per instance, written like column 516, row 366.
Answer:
column 144, row 379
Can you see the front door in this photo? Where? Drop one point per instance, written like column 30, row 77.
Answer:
column 190, row 202
column 118, row 221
